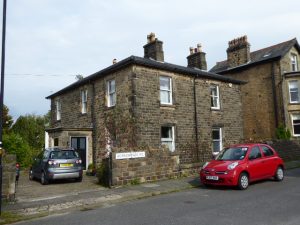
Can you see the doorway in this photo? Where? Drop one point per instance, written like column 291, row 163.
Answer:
column 79, row 144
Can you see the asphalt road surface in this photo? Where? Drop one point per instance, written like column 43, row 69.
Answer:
column 267, row 202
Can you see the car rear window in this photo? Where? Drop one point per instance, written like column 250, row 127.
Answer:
column 65, row 154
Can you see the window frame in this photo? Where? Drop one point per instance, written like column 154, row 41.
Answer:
column 172, row 139
column 294, row 62
column 290, row 95
column 58, row 109
column 220, row 140
column 293, row 125
column 168, row 91
column 111, row 96
column 84, row 97
column 213, row 97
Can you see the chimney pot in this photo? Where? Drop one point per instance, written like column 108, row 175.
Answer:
column 191, row 50
column 238, row 51
column 199, row 47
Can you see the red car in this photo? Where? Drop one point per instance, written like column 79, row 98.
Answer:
column 241, row 164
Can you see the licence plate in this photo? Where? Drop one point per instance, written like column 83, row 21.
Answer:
column 212, row 178
column 66, row 165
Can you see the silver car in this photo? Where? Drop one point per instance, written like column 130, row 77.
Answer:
column 56, row 163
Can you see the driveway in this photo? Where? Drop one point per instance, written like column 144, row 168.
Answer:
column 29, row 191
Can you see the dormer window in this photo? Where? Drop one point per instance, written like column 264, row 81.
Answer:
column 294, row 62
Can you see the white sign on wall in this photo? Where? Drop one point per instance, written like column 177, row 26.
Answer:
column 130, row 155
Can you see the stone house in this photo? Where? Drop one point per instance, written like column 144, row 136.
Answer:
column 271, row 96
column 164, row 118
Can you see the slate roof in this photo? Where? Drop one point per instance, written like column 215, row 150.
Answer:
column 260, row 56
column 135, row 60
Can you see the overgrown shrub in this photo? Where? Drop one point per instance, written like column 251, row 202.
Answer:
column 15, row 144
column 283, row 133
column 103, row 173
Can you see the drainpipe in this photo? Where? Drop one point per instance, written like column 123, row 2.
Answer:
column 196, row 119
column 274, row 95
column 281, row 85
column 93, row 123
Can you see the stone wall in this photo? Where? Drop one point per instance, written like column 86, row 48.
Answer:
column 258, row 102
column 289, row 150
column 9, row 177
column 71, row 115
column 158, row 164
column 152, row 115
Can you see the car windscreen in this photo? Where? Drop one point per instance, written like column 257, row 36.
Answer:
column 234, row 153
column 65, row 154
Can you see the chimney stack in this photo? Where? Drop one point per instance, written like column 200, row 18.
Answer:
column 197, row 58
column 238, row 51
column 154, row 48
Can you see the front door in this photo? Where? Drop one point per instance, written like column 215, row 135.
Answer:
column 79, row 144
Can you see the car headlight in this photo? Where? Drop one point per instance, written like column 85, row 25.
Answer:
column 232, row 165
column 205, row 164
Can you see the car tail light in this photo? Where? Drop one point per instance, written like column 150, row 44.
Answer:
column 78, row 161
column 52, row 162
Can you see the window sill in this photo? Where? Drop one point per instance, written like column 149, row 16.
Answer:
column 109, row 107
column 294, row 103
column 215, row 109
column 167, row 106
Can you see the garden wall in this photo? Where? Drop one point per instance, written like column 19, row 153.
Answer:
column 289, row 150
column 158, row 164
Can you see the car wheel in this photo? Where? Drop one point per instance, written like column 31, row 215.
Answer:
column 243, row 181
column 279, row 175
column 31, row 177
column 44, row 179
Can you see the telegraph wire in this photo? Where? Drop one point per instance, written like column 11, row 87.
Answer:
column 38, row 75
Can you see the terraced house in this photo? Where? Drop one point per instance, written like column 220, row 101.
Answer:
column 156, row 118
column 271, row 96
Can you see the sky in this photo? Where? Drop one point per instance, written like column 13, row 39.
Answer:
column 49, row 42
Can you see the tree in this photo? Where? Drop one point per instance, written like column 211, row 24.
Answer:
column 15, row 144
column 78, row 77
column 32, row 129
column 7, row 119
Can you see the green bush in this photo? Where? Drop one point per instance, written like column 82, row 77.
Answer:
column 283, row 133
column 15, row 144
column 103, row 174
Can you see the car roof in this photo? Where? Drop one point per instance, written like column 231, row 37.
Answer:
column 59, row 149
column 247, row 145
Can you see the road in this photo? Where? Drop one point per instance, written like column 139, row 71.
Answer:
column 263, row 203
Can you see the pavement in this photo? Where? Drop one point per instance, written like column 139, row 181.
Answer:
column 33, row 199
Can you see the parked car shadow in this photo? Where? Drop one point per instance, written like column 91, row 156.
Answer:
column 196, row 183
